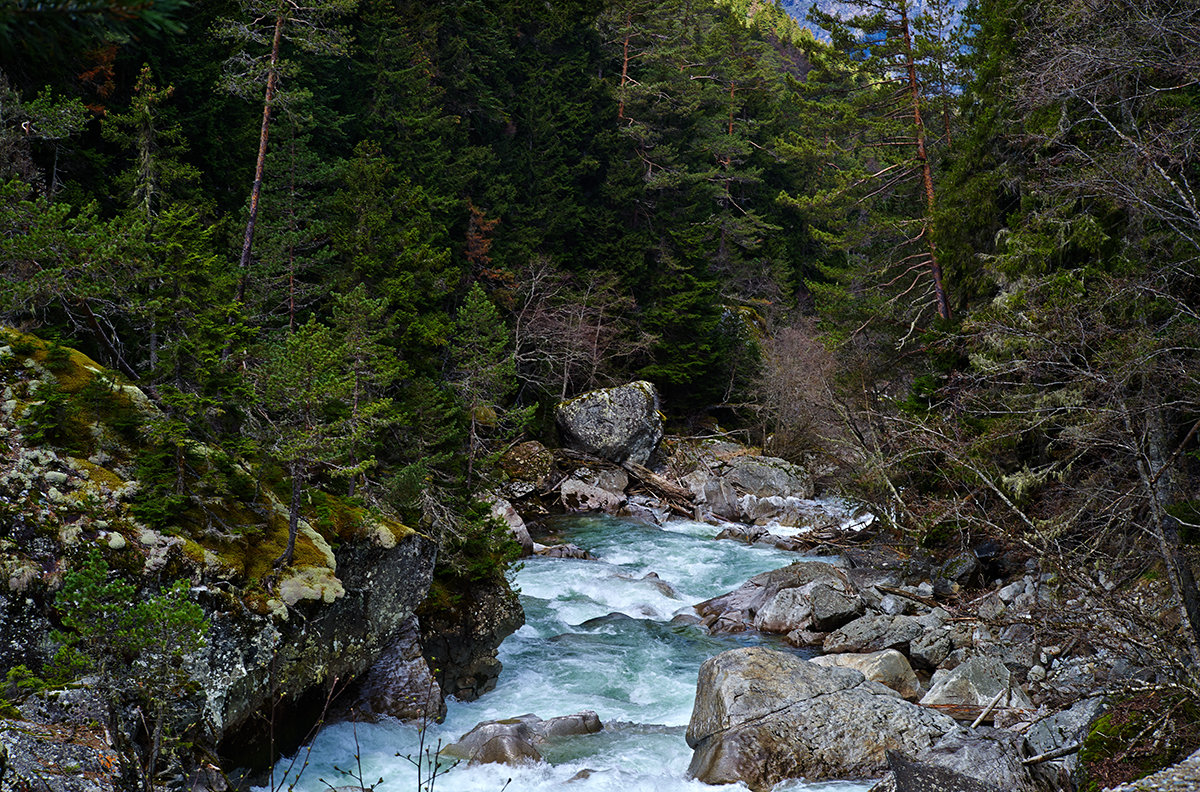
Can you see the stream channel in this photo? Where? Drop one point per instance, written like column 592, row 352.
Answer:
column 598, row 637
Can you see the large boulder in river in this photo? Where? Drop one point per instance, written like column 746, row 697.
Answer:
column 401, row 683
column 619, row 424
column 516, row 740
column 762, row 716
column 801, row 596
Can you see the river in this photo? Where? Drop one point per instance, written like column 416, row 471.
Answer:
column 599, row 636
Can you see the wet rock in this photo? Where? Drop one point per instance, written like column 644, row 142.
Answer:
column 401, row 684
column 888, row 667
column 975, row 683
column 762, row 716
column 460, row 640
column 517, row 740
column 871, row 633
column 618, row 424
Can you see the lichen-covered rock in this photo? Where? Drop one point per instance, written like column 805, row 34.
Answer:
column 249, row 657
column 53, row 757
column 762, row 716
column 619, row 424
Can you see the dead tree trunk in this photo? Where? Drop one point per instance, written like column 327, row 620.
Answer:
column 256, row 189
column 914, row 89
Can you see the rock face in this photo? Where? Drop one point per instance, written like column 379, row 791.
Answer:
column 247, row 656
column 618, row 424
column 460, row 641
column 401, row 684
column 516, row 740
column 801, row 596
column 762, row 716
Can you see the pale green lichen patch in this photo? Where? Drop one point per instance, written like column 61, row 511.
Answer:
column 310, row 583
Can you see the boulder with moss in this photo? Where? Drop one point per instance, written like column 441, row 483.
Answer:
column 619, row 424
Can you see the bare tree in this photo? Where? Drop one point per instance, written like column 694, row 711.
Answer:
column 568, row 333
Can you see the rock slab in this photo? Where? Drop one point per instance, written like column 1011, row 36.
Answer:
column 762, row 716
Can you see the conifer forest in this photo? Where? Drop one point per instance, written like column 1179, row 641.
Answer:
column 288, row 287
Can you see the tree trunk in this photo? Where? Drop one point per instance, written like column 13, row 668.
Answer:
column 935, row 269
column 625, row 65
column 256, row 189
column 1154, row 467
column 293, row 514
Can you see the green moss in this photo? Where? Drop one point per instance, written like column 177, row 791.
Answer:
column 1139, row 735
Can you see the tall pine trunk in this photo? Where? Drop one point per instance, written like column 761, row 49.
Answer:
column 256, row 189
column 914, row 89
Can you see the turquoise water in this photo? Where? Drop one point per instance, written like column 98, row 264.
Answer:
column 599, row 637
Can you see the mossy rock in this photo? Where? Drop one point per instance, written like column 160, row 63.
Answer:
column 1139, row 735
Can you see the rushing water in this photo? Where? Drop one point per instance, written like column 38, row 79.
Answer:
column 598, row 636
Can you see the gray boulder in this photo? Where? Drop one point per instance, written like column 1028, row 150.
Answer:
column 517, row 740
column 1062, row 729
column 991, row 756
column 766, row 477
column 888, row 667
column 930, row 648
column 578, row 496
column 762, row 716
column 871, row 633
column 503, row 511
column 975, row 683
column 782, row 600
column 619, row 424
